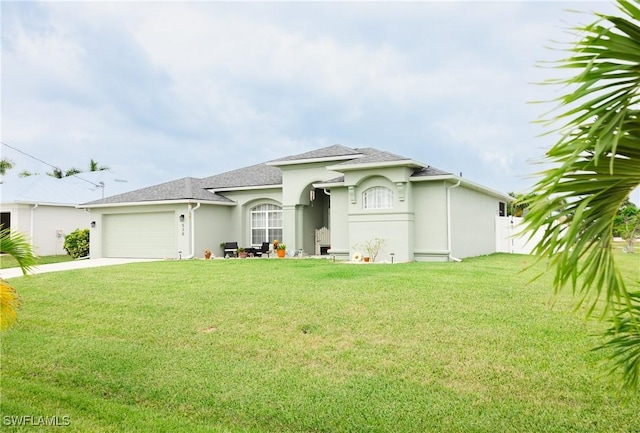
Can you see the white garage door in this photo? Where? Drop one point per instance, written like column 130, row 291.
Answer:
column 139, row 235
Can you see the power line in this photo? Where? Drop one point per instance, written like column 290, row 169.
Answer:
column 50, row 165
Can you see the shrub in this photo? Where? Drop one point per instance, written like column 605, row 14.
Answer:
column 77, row 243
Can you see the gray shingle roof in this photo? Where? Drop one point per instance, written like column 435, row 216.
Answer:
column 371, row 155
column 255, row 175
column 338, row 179
column 429, row 171
column 325, row 152
column 186, row 188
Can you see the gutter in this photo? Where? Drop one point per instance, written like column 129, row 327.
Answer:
column 192, row 217
column 466, row 182
column 449, row 188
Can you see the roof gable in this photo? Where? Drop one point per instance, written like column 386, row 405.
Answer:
column 429, row 171
column 255, row 175
column 337, row 152
column 371, row 155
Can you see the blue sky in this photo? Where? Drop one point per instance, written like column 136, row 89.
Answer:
column 163, row 90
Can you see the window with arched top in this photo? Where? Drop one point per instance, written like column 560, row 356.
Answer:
column 266, row 223
column 377, row 197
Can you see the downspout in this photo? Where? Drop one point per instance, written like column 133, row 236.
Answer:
column 192, row 217
column 88, row 212
column 449, row 188
column 31, row 224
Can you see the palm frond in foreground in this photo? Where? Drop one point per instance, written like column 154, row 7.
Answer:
column 596, row 165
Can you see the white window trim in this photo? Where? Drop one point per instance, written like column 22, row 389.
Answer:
column 266, row 209
column 377, row 198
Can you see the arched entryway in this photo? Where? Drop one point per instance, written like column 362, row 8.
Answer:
column 315, row 215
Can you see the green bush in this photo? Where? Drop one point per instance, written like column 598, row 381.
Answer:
column 77, row 243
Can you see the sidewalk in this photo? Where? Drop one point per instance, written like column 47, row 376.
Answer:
column 66, row 266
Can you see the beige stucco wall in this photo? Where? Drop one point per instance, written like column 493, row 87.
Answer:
column 473, row 231
column 238, row 227
column 430, row 207
column 352, row 225
column 394, row 226
column 213, row 225
column 51, row 223
column 182, row 229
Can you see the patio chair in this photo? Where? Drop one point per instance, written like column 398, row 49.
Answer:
column 264, row 249
column 231, row 249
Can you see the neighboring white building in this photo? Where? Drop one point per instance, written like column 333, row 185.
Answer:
column 354, row 195
column 45, row 208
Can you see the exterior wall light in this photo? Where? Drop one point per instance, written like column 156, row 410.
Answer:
column 181, row 218
column 93, row 224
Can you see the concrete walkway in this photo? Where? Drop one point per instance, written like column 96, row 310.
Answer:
column 67, row 266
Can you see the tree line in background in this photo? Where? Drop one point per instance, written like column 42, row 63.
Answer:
column 6, row 165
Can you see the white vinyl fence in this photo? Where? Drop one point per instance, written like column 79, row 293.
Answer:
column 510, row 239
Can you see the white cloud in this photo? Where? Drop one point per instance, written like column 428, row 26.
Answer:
column 163, row 90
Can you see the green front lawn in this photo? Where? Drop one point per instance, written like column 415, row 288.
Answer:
column 309, row 345
column 9, row 262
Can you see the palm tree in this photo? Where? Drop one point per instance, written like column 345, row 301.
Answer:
column 595, row 167
column 27, row 173
column 5, row 165
column 93, row 166
column 16, row 245
column 57, row 173
column 72, row 171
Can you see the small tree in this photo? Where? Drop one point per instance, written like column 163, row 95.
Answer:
column 94, row 166
column 372, row 247
column 27, row 173
column 520, row 205
column 627, row 224
column 76, row 243
column 5, row 165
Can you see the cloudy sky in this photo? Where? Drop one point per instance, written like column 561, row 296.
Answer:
column 163, row 90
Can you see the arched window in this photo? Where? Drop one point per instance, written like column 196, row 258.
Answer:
column 377, row 197
column 266, row 224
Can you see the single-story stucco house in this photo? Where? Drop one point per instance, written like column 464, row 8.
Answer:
column 45, row 209
column 329, row 200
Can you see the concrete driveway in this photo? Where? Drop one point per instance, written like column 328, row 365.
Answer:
column 67, row 266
